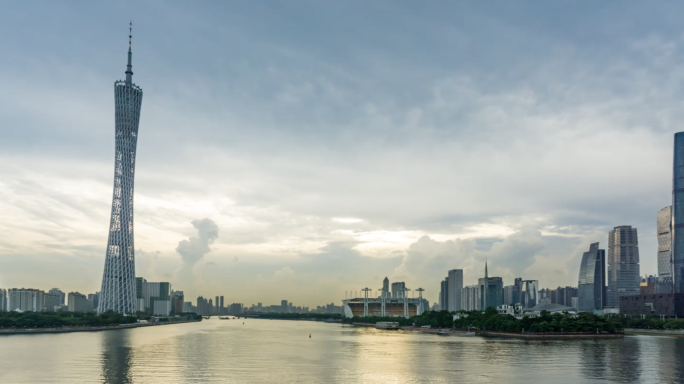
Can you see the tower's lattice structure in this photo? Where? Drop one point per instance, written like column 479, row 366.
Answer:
column 118, row 281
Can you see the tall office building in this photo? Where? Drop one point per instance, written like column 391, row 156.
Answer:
column 140, row 294
column 484, row 294
column 235, row 309
column 571, row 294
column 3, row 300
column 678, row 214
column 623, row 265
column 118, row 280
column 94, row 298
column 221, row 307
column 518, row 282
column 283, row 306
column 177, row 303
column 157, row 298
column 531, row 293
column 470, row 298
column 491, row 291
column 592, row 280
column 455, row 284
column 664, row 282
column 561, row 295
column 385, row 288
column 203, row 306
column 444, row 295
column 511, row 294
column 51, row 302
column 398, row 290
column 78, row 302
column 58, row 292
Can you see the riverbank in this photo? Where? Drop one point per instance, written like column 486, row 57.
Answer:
column 35, row 331
column 549, row 336
column 363, row 324
column 333, row 321
column 655, row 332
column 433, row 331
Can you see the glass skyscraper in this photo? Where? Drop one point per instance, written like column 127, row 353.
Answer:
column 592, row 280
column 118, row 291
column 664, row 225
column 531, row 293
column 678, row 213
column 623, row 265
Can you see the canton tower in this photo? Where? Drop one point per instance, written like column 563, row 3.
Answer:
column 118, row 280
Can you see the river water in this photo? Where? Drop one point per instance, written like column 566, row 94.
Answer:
column 273, row 351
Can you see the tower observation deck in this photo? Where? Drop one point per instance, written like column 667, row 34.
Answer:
column 118, row 280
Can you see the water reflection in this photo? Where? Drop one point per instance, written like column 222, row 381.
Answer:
column 116, row 357
column 625, row 360
column 593, row 360
column 282, row 352
column 678, row 357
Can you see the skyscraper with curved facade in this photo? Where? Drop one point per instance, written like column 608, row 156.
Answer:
column 678, row 213
column 118, row 291
column 623, row 265
column 592, row 280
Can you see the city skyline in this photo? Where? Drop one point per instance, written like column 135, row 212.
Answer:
column 245, row 180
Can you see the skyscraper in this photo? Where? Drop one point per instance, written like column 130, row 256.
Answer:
column 592, row 280
column 398, row 290
column 664, row 225
column 531, row 293
column 58, row 292
column 510, row 294
column 623, row 265
column 3, row 300
column 484, row 304
column 469, row 298
column 678, row 213
column 444, row 295
column 518, row 298
column 491, row 291
column 494, row 295
column 118, row 280
column 455, row 285
column 79, row 302
column 385, row 288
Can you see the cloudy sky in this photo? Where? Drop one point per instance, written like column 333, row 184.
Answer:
column 298, row 150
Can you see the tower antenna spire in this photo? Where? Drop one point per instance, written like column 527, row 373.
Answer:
column 129, row 67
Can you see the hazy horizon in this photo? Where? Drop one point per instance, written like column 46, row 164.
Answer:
column 300, row 150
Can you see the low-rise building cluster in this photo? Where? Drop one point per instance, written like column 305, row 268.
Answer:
column 37, row 300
